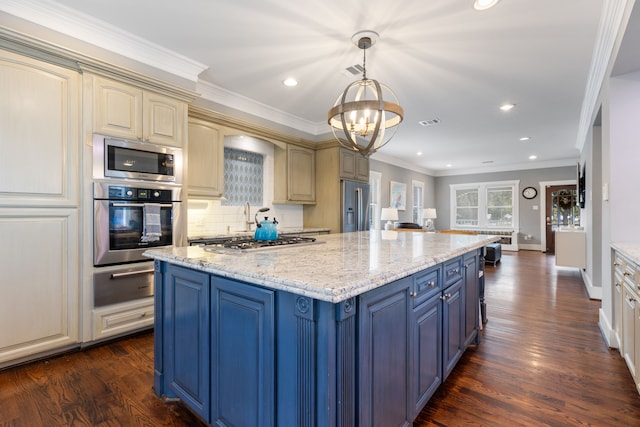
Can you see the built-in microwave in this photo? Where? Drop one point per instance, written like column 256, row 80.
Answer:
column 127, row 159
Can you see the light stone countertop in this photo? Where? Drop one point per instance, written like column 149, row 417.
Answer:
column 628, row 249
column 341, row 267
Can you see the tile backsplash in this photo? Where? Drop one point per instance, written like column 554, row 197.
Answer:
column 209, row 217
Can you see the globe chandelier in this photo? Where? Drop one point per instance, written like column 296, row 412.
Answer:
column 361, row 119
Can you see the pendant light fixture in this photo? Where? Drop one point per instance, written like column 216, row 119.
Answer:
column 362, row 120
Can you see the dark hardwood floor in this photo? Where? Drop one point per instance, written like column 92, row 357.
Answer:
column 542, row 361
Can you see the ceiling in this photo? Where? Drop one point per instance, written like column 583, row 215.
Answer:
column 443, row 59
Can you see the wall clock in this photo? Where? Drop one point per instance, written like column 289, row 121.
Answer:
column 529, row 193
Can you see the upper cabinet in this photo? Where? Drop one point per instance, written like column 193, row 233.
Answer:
column 39, row 133
column 353, row 166
column 294, row 175
column 205, row 159
column 130, row 112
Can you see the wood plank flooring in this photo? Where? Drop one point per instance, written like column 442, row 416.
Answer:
column 542, row 362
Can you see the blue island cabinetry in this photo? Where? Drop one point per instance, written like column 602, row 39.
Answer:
column 239, row 354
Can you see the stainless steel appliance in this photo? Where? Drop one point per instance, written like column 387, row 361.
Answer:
column 115, row 284
column 245, row 243
column 126, row 159
column 355, row 206
column 123, row 216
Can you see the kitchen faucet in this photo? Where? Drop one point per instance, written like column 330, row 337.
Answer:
column 247, row 217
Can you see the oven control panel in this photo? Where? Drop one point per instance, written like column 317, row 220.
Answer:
column 137, row 194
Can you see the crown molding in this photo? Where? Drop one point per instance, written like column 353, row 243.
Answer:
column 69, row 22
column 508, row 168
column 609, row 35
column 219, row 95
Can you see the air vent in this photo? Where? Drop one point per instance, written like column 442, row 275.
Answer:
column 487, row 162
column 355, row 69
column 429, row 122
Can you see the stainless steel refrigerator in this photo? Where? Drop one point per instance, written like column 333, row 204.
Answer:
column 355, row 206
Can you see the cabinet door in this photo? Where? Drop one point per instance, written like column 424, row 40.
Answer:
column 243, row 375
column 453, row 326
column 384, row 356
column 302, row 173
column 164, row 119
column 629, row 304
column 187, row 332
column 205, row 159
column 353, row 165
column 471, row 298
column 617, row 308
column 39, row 282
column 117, row 109
column 39, row 152
column 426, row 352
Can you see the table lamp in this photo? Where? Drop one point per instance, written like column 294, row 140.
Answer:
column 389, row 214
column 429, row 214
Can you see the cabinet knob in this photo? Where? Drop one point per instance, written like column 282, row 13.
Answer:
column 413, row 294
column 616, row 264
column 455, row 271
column 445, row 297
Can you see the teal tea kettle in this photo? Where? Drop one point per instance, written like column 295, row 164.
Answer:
column 266, row 230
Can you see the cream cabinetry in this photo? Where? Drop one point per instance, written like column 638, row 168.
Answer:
column 353, row 166
column 294, row 174
column 39, row 208
column 571, row 248
column 122, row 318
column 127, row 111
column 333, row 163
column 205, row 159
column 626, row 276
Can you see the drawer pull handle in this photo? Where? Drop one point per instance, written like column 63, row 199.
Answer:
column 431, row 284
column 455, row 271
column 616, row 264
column 413, row 294
column 445, row 297
column 626, row 274
column 131, row 273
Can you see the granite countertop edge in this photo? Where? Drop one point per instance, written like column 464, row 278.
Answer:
column 280, row 277
column 630, row 250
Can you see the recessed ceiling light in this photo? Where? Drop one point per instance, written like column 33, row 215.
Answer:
column 525, row 138
column 533, row 157
column 507, row 107
column 484, row 4
column 291, row 82
column 419, row 153
column 449, row 165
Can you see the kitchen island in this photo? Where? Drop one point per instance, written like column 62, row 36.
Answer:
column 359, row 329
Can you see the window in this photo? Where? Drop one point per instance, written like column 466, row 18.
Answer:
column 485, row 205
column 418, row 201
column 243, row 177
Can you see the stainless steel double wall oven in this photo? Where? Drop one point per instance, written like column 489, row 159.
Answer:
column 136, row 200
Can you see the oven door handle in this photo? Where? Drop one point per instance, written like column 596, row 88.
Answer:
column 131, row 273
column 138, row 205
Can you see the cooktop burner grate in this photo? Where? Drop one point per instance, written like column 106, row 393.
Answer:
column 251, row 244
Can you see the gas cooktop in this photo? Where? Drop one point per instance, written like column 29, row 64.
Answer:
column 244, row 244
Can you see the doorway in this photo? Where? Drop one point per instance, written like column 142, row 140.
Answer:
column 561, row 209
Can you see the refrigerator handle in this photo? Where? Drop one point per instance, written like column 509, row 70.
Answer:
column 359, row 209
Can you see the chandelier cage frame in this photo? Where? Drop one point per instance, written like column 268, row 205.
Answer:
column 350, row 116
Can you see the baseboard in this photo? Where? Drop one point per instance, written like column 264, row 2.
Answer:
column 595, row 292
column 530, row 247
column 605, row 330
